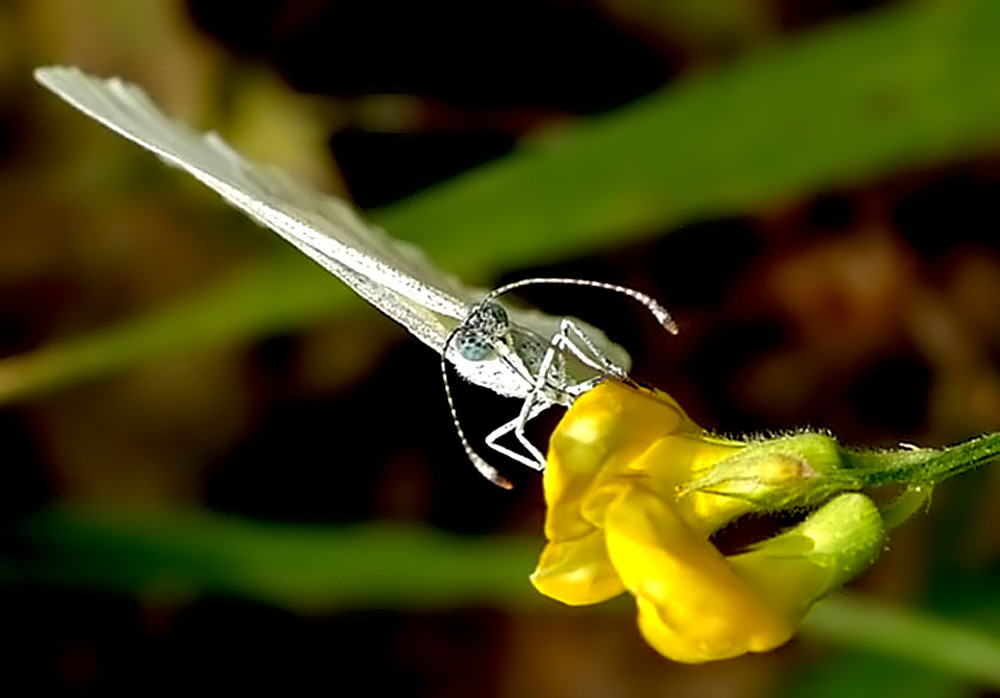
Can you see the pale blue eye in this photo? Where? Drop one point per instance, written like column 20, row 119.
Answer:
column 473, row 345
column 485, row 325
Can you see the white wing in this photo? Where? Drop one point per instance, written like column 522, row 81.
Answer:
column 322, row 227
column 391, row 275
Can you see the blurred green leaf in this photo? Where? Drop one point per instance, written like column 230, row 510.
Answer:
column 861, row 674
column 905, row 634
column 304, row 567
column 903, row 87
column 243, row 306
column 907, row 86
column 295, row 566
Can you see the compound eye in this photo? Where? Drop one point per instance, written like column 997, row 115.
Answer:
column 531, row 352
column 473, row 345
column 490, row 319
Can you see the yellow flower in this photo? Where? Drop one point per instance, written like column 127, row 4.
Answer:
column 635, row 489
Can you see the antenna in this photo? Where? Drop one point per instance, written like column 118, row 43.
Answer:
column 484, row 468
column 661, row 314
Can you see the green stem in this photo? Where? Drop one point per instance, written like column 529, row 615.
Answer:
column 920, row 467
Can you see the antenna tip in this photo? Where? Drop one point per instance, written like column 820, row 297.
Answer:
column 498, row 479
column 666, row 320
column 488, row 471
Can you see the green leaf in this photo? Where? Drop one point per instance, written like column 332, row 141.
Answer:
column 175, row 555
column 298, row 566
column 904, row 633
column 243, row 306
column 904, row 87
column 860, row 674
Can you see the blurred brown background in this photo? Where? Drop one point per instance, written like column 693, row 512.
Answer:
column 870, row 309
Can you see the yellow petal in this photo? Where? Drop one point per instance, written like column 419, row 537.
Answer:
column 672, row 461
column 598, row 439
column 693, row 607
column 577, row 572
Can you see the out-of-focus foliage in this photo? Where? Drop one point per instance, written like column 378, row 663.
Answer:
column 161, row 463
column 886, row 630
column 907, row 87
column 300, row 567
column 171, row 558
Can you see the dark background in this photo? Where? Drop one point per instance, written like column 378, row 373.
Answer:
column 868, row 309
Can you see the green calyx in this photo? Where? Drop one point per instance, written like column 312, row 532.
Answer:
column 779, row 473
column 833, row 544
column 807, row 469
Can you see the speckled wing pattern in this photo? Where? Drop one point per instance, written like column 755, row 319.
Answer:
column 393, row 276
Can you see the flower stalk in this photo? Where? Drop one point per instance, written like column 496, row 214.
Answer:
column 920, row 467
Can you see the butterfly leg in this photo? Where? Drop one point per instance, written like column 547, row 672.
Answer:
column 530, row 409
column 567, row 338
column 537, row 401
column 560, row 343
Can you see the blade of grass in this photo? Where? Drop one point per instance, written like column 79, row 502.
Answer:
column 907, row 634
column 906, row 86
column 244, row 306
column 296, row 566
column 309, row 568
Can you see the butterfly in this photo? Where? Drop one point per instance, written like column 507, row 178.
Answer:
column 513, row 352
